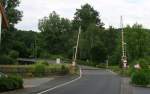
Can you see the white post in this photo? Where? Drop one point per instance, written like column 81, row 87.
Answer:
column 0, row 26
column 75, row 56
column 58, row 61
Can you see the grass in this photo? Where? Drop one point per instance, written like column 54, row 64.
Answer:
column 31, row 70
column 120, row 71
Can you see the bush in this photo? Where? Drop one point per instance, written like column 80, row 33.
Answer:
column 39, row 69
column 10, row 83
column 6, row 60
column 64, row 70
column 140, row 78
column 143, row 63
column 43, row 62
column 14, row 54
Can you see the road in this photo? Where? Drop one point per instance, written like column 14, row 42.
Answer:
column 93, row 81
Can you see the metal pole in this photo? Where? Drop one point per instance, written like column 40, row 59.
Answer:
column 122, row 36
column 76, row 51
column 124, row 57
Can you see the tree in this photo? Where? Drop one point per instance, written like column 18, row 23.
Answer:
column 55, row 32
column 25, row 43
column 137, row 42
column 86, row 16
column 14, row 16
column 91, row 45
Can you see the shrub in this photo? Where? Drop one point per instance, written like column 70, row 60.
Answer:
column 43, row 62
column 39, row 69
column 6, row 60
column 140, row 78
column 64, row 70
column 10, row 83
column 143, row 63
column 14, row 54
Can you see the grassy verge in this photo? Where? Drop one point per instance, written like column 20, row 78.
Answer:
column 38, row 70
column 120, row 71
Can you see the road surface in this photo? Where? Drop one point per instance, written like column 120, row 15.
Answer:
column 93, row 81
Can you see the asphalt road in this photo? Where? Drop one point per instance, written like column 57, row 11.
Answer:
column 93, row 81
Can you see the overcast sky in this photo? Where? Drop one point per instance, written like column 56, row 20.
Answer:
column 110, row 10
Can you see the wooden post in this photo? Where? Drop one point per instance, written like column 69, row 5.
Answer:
column 124, row 55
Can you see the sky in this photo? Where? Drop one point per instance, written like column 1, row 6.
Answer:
column 133, row 11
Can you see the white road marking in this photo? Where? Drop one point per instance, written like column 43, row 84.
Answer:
column 61, row 85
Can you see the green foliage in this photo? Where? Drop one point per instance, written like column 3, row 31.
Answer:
column 137, row 39
column 140, row 78
column 13, row 16
column 44, row 54
column 85, row 16
column 58, row 38
column 4, row 60
column 10, row 83
column 14, row 54
column 36, row 70
column 43, row 62
column 39, row 69
column 59, row 69
column 143, row 64
column 24, row 44
column 91, row 45
column 64, row 70
column 55, row 33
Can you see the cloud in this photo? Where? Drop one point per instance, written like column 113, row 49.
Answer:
column 110, row 11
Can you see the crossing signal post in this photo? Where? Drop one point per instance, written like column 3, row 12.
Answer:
column 124, row 55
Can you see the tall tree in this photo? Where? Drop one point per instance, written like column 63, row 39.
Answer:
column 137, row 42
column 86, row 16
column 14, row 16
column 56, row 32
column 91, row 45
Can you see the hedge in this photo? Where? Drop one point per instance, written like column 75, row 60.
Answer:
column 141, row 77
column 36, row 70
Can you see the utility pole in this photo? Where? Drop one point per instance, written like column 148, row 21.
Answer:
column 124, row 56
column 76, row 48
